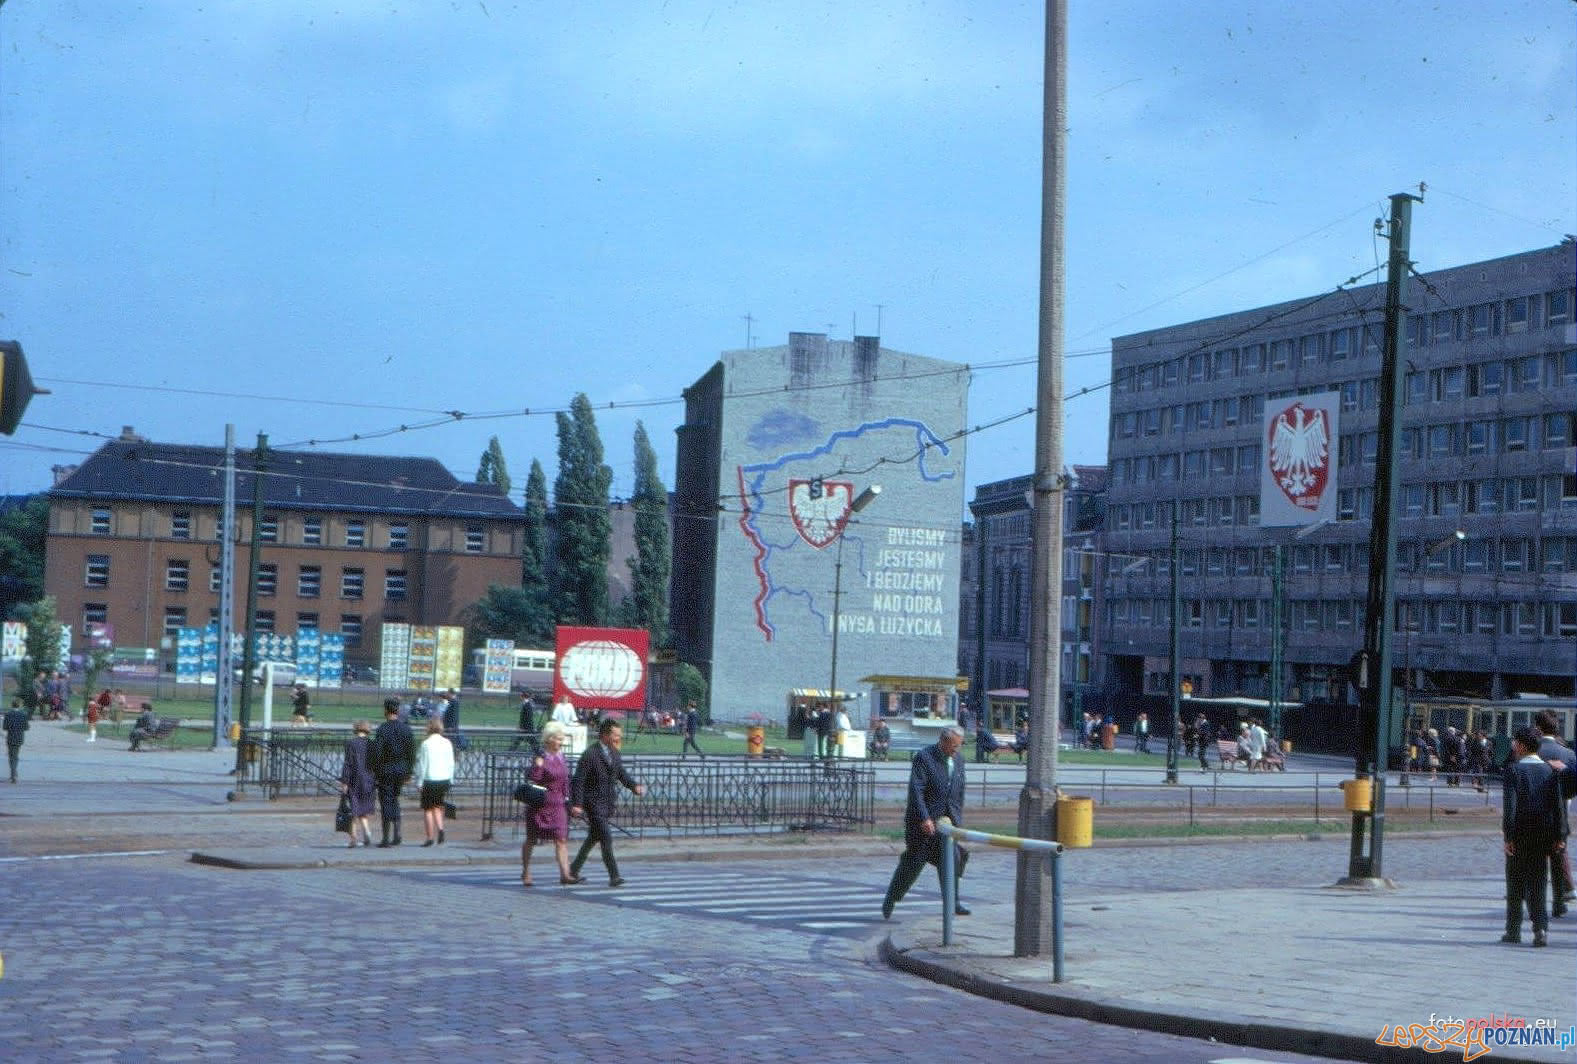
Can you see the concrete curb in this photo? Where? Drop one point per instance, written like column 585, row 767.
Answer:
column 1225, row 1030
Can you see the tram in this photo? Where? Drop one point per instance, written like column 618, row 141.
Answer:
column 1497, row 717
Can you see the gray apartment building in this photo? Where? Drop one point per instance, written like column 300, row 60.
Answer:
column 994, row 637
column 1488, row 449
column 778, row 546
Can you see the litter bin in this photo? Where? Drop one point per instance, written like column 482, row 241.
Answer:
column 1075, row 820
column 235, row 731
column 755, row 740
column 1286, row 746
column 1108, row 736
column 1356, row 795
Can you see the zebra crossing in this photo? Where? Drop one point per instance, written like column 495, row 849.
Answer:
column 808, row 903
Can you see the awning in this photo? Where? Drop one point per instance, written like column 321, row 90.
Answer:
column 919, row 683
column 1019, row 693
column 819, row 694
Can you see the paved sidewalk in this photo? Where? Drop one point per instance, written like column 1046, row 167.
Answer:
column 1310, row 969
column 1321, row 970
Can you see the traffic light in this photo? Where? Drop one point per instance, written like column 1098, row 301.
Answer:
column 16, row 386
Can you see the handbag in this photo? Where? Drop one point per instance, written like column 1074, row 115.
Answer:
column 532, row 794
column 342, row 816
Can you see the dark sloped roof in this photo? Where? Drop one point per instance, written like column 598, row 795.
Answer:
column 294, row 480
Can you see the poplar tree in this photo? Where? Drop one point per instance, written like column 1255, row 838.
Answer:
column 649, row 568
column 493, row 469
column 580, row 510
column 534, row 561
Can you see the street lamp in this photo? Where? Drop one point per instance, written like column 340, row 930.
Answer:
column 861, row 501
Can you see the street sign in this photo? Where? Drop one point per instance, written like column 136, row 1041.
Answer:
column 16, row 386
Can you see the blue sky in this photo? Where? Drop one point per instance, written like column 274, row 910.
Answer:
column 322, row 219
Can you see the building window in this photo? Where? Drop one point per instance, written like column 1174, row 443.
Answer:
column 306, row 622
column 1558, row 430
column 351, row 583
column 1251, row 358
column 181, row 525
column 95, row 613
column 473, row 539
column 1522, row 494
column 309, row 581
column 268, row 531
column 1484, row 378
column 1514, row 434
column 1341, row 344
column 1558, row 308
column 1560, row 619
column 355, row 533
column 174, row 620
column 399, row 536
column 312, row 531
column 214, row 579
column 1517, row 315
column 100, row 525
column 265, row 620
column 394, row 584
column 350, row 628
column 267, row 579
column 96, row 573
column 177, row 574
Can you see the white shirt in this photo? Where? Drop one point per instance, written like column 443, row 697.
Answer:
column 843, row 723
column 434, row 760
column 564, row 712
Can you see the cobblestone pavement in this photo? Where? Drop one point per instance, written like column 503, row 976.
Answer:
column 137, row 959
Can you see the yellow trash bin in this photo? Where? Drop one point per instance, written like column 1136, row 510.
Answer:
column 235, row 731
column 1075, row 820
column 755, row 740
column 1286, row 746
column 1356, row 795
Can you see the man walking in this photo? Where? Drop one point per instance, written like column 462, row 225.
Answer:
column 1551, row 749
column 392, row 755
column 936, row 789
column 692, row 721
column 15, row 725
column 1532, row 822
column 1141, row 733
column 1204, row 738
column 592, row 794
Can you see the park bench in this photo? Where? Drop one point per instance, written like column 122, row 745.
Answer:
column 163, row 733
column 1228, row 750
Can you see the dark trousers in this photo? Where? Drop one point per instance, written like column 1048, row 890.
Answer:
column 12, row 752
column 1526, row 877
column 1561, row 875
column 689, row 744
column 912, row 862
column 1142, row 741
column 597, row 834
column 389, row 797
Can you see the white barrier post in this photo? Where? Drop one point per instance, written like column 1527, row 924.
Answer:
column 1053, row 851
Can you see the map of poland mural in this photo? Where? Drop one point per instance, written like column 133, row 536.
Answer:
column 897, row 572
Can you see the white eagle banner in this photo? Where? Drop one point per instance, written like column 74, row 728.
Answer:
column 1297, row 478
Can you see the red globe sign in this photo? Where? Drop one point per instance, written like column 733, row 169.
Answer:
column 602, row 668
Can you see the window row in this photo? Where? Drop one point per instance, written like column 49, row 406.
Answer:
column 309, row 578
column 1505, row 554
column 1505, row 317
column 1220, row 510
column 1452, row 498
column 352, row 533
column 176, row 618
column 1537, row 619
column 1186, row 465
column 1506, row 435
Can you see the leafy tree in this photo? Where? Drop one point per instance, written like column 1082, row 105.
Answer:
column 648, row 603
column 493, row 469
column 41, row 650
column 22, row 553
column 510, row 613
column 580, row 502
column 692, row 687
column 534, row 560
column 93, row 665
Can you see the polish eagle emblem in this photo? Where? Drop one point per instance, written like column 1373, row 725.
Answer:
column 820, row 509
column 1300, row 449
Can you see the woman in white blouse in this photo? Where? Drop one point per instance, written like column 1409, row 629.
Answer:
column 434, row 773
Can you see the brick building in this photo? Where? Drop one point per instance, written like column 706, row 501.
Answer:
column 348, row 542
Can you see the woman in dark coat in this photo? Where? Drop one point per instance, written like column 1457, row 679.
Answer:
column 356, row 782
column 550, row 820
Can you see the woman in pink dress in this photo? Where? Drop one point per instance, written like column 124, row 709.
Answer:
column 550, row 820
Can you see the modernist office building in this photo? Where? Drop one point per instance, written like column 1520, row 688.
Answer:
column 1487, row 443
column 778, row 447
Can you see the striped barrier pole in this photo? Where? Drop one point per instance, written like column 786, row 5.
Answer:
column 1053, row 851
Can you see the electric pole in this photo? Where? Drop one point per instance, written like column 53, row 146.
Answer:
column 1032, row 924
column 1374, row 697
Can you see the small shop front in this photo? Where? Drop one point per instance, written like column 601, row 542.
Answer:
column 916, row 705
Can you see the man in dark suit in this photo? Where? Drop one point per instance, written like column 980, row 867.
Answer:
column 1532, row 822
column 592, row 792
column 391, row 757
column 1552, row 750
column 936, row 789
